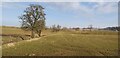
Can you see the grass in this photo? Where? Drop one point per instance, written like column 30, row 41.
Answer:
column 13, row 30
column 9, row 39
column 67, row 43
column 10, row 31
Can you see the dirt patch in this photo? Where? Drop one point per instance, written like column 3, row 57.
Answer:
column 11, row 44
column 0, row 47
column 33, row 39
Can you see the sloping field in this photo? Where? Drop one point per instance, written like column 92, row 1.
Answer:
column 66, row 43
column 13, row 30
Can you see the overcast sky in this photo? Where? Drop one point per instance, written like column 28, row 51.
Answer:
column 66, row 14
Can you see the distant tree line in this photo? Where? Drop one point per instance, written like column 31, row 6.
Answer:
column 55, row 28
column 112, row 28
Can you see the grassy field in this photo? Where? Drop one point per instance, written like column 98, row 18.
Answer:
column 62, row 43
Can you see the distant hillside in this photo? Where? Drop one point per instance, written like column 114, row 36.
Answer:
column 9, row 27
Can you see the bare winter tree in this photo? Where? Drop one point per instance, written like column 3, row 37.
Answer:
column 33, row 19
column 56, row 28
column 90, row 27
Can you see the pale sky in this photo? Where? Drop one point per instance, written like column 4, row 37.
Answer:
column 66, row 14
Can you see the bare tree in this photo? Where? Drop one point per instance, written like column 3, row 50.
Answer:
column 32, row 17
column 90, row 27
column 58, row 27
column 54, row 29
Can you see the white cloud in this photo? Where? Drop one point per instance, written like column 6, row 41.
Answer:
column 99, row 7
column 106, row 7
column 68, row 6
column 81, row 10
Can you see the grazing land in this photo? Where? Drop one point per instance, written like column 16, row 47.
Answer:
column 61, row 43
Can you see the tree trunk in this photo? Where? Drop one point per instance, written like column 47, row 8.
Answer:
column 32, row 34
column 39, row 34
